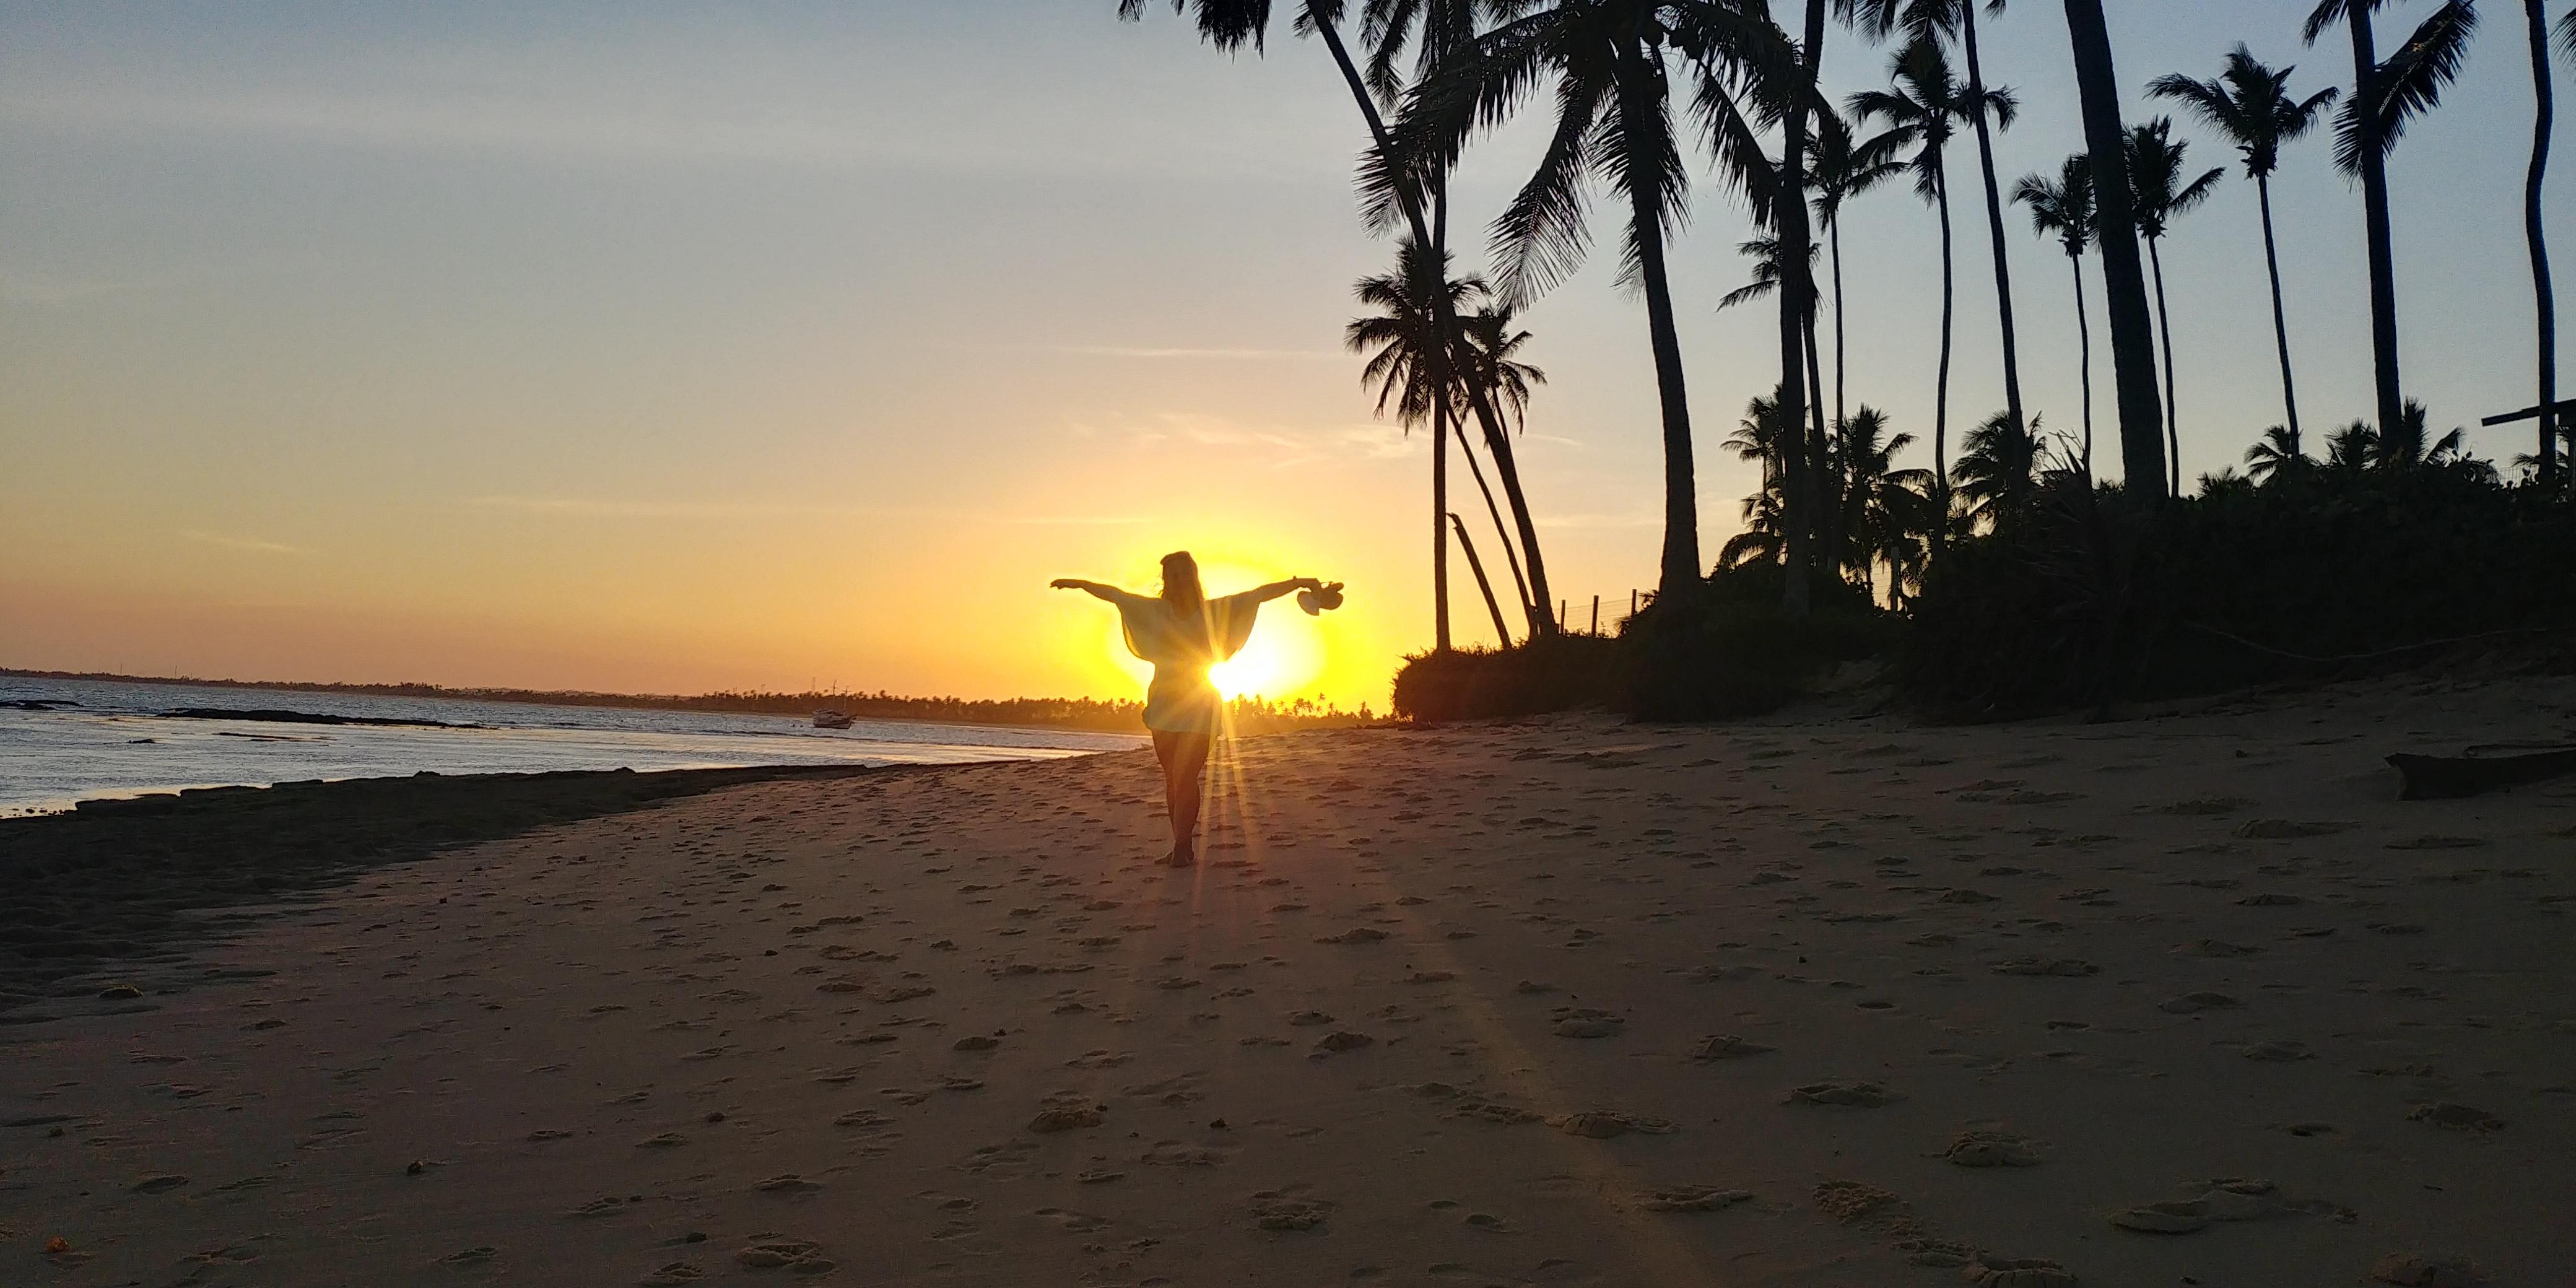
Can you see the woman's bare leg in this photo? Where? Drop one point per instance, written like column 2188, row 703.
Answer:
column 1184, row 757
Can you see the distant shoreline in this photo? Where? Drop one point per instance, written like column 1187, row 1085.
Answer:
column 1085, row 714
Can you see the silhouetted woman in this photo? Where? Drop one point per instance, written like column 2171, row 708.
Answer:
column 1183, row 633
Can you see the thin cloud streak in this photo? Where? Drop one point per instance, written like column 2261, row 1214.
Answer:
column 578, row 507
column 1144, row 351
column 253, row 545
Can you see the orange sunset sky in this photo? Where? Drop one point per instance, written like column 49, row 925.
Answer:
column 671, row 347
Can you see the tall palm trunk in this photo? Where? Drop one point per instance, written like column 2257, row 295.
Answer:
column 1941, row 391
column 2544, row 294
column 1834, row 237
column 2084, row 357
column 2164, row 338
column 1994, row 215
column 1680, row 574
column 2124, row 287
column 2280, row 316
column 1440, row 525
column 1440, row 436
column 1496, row 442
column 1829, row 480
column 2374, row 204
column 1790, row 210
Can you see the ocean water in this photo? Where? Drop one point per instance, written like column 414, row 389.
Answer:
column 118, row 742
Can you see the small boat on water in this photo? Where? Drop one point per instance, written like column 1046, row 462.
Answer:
column 827, row 718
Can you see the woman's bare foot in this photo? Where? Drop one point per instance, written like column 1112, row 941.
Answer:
column 1178, row 858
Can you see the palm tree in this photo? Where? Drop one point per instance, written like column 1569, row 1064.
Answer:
column 1488, row 358
column 1885, row 506
column 1764, row 437
column 1943, row 18
column 2064, row 210
column 2407, row 448
column 1614, row 122
column 1999, row 473
column 2277, row 455
column 2544, row 294
column 1845, row 168
column 2353, row 448
column 2159, row 197
column 1229, row 25
column 2385, row 96
column 1922, row 105
column 2250, row 105
column 2124, row 287
column 1401, row 339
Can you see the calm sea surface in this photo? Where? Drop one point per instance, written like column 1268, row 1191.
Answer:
column 118, row 742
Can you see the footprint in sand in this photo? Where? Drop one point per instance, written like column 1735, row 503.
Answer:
column 2065, row 967
column 1727, row 1046
column 2191, row 1003
column 672, row 1274
column 797, row 1255
column 158, row 1184
column 2017, row 1272
column 2414, row 1270
column 2455, row 1117
column 1693, row 1198
column 1587, row 1022
column 1864, row 1095
column 1273, row 1210
column 1072, row 1222
column 788, row 1183
column 1342, row 1040
column 1064, row 1118
column 1992, row 1149
column 2281, row 1051
column 1604, row 1124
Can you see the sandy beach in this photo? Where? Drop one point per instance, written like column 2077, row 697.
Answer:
column 2184, row 999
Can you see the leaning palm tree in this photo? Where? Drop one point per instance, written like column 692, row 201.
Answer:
column 1229, row 25
column 1923, row 104
column 2124, row 287
column 1614, row 122
column 2064, row 210
column 2385, row 96
column 1489, row 358
column 2249, row 104
column 2276, row 456
column 2160, row 195
column 1844, row 168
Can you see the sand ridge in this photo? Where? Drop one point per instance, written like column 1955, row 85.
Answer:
column 1561, row 1001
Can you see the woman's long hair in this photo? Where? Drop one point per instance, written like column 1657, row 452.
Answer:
column 1181, row 583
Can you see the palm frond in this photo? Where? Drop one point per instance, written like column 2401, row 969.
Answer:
column 1541, row 236
column 2410, row 83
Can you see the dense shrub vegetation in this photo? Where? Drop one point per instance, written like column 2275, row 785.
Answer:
column 2087, row 595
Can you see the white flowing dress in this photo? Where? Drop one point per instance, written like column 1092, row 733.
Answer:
column 1182, row 646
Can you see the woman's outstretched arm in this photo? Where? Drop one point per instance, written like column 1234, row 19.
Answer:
column 1092, row 588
